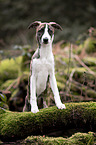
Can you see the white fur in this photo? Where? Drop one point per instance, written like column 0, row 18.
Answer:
column 41, row 68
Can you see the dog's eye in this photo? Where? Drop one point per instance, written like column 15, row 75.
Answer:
column 40, row 32
column 50, row 32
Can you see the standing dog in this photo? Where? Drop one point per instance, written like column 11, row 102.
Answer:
column 43, row 64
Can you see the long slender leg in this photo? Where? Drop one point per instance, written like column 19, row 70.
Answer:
column 54, row 88
column 33, row 99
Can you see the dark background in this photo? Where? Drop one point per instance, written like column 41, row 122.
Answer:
column 76, row 17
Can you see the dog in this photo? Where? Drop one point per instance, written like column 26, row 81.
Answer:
column 42, row 64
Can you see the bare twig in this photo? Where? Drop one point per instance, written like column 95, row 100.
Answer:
column 10, row 86
column 83, row 64
column 70, row 78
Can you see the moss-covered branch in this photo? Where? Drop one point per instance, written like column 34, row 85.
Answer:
column 76, row 139
column 14, row 125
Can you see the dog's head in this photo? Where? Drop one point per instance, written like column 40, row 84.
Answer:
column 44, row 31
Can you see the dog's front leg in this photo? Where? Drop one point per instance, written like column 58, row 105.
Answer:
column 56, row 92
column 33, row 99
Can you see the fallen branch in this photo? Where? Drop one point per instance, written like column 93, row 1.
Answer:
column 76, row 139
column 14, row 125
column 83, row 64
column 11, row 85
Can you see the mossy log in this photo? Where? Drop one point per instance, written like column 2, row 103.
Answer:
column 76, row 139
column 15, row 125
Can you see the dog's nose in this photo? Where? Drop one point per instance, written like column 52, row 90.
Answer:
column 45, row 40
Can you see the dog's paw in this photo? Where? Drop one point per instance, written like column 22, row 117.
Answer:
column 61, row 106
column 34, row 109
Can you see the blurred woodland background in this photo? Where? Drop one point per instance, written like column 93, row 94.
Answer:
column 15, row 16
column 74, row 49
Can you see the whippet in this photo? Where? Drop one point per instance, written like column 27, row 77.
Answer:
column 42, row 64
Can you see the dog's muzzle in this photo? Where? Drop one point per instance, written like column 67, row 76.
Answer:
column 45, row 40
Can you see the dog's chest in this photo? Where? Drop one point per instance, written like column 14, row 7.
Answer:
column 43, row 64
column 42, row 68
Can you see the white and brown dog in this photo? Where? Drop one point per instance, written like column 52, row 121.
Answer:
column 43, row 64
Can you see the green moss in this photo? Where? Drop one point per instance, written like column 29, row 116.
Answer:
column 14, row 93
column 64, row 44
column 58, row 65
column 10, row 68
column 90, row 61
column 5, row 106
column 24, row 77
column 91, row 93
column 81, row 70
column 81, row 75
column 90, row 45
column 66, row 60
column 62, row 65
column 60, row 85
column 14, row 125
column 60, row 78
column 6, row 84
column 76, row 139
column 27, row 54
column 80, row 48
column 93, row 69
column 77, row 90
column 2, row 111
column 60, row 81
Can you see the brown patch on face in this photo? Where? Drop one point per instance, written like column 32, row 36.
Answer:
column 50, row 30
column 39, row 33
column 51, row 27
column 43, row 25
column 40, row 26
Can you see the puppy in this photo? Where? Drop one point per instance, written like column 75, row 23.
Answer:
column 42, row 65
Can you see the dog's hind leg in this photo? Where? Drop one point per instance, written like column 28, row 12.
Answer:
column 27, row 106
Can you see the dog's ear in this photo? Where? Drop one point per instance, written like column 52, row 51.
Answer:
column 55, row 25
column 34, row 24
